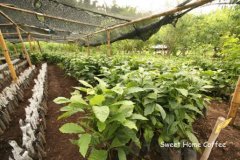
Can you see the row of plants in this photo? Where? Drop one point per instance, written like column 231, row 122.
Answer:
column 132, row 101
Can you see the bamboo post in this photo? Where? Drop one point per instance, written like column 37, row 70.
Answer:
column 24, row 47
column 235, row 103
column 7, row 57
column 15, row 49
column 39, row 47
column 109, row 42
column 88, row 46
column 219, row 125
column 30, row 42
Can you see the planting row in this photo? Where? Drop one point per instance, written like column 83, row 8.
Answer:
column 11, row 95
column 34, row 125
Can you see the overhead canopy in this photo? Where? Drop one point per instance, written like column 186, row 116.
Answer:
column 81, row 22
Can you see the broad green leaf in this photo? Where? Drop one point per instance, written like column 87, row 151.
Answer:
column 86, row 84
column 138, row 117
column 102, row 84
column 121, row 154
column 192, row 138
column 67, row 114
column 160, row 109
column 126, row 110
column 71, row 108
column 61, row 100
column 149, row 108
column 160, row 141
column 192, row 108
column 116, row 143
column 71, row 128
column 101, row 112
column 130, row 124
column 127, row 103
column 134, row 90
column 78, row 99
column 148, row 134
column 98, row 155
column 183, row 91
column 83, row 143
column 118, row 89
column 97, row 100
column 101, row 126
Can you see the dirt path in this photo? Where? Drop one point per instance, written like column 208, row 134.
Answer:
column 230, row 135
column 58, row 145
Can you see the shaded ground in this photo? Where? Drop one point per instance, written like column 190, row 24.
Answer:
column 58, row 145
column 229, row 135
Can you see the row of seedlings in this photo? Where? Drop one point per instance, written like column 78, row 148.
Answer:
column 5, row 77
column 34, row 126
column 11, row 95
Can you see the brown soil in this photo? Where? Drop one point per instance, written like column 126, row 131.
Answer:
column 230, row 135
column 58, row 145
column 14, row 132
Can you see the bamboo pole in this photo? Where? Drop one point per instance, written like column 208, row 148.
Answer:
column 39, row 47
column 235, row 103
column 49, row 16
column 219, row 125
column 109, row 42
column 24, row 47
column 30, row 43
column 8, row 59
column 169, row 12
column 15, row 49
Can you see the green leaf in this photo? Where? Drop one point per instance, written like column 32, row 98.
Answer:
column 101, row 126
column 126, row 110
column 98, row 155
column 130, row 124
column 83, row 143
column 160, row 109
column 192, row 108
column 101, row 112
column 116, row 143
column 97, row 100
column 160, row 141
column 134, row 90
column 78, row 99
column 183, row 91
column 121, row 154
column 149, row 109
column 71, row 128
column 127, row 103
column 118, row 89
column 102, row 84
column 67, row 114
column 148, row 134
column 138, row 117
column 86, row 84
column 61, row 100
column 192, row 138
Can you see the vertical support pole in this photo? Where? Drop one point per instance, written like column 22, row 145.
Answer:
column 235, row 103
column 15, row 49
column 88, row 46
column 7, row 57
column 24, row 47
column 30, row 43
column 39, row 47
column 109, row 42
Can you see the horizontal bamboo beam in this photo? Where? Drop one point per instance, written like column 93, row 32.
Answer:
column 166, row 13
column 49, row 16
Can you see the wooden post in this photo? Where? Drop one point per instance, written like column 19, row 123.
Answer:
column 219, row 125
column 88, row 46
column 235, row 103
column 15, row 49
column 109, row 42
column 7, row 57
column 24, row 47
column 30, row 43
column 39, row 47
